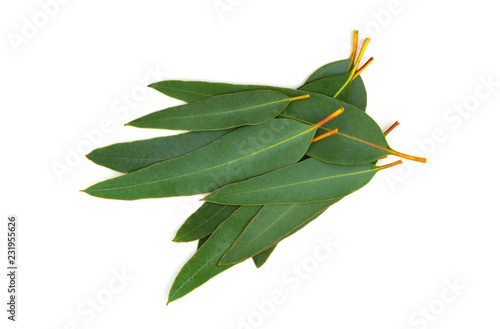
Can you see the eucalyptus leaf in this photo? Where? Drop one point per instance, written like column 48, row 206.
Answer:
column 244, row 153
column 193, row 91
column 307, row 181
column 132, row 156
column 219, row 112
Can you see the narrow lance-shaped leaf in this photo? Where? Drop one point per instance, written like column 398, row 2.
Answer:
column 203, row 265
column 132, row 156
column 307, row 181
column 220, row 112
column 193, row 91
column 241, row 154
column 269, row 226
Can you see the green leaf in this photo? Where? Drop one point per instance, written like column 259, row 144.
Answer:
column 193, row 91
column 244, row 153
column 203, row 221
column 269, row 226
column 307, row 181
column 132, row 156
column 219, row 112
column 203, row 265
column 263, row 256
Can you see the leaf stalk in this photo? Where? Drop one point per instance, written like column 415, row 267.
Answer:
column 330, row 117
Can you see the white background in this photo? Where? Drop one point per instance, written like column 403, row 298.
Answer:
column 402, row 241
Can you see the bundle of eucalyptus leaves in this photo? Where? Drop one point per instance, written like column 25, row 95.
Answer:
column 273, row 159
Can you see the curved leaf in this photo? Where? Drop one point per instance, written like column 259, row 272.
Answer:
column 219, row 112
column 246, row 152
column 193, row 91
column 132, row 156
column 307, row 181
